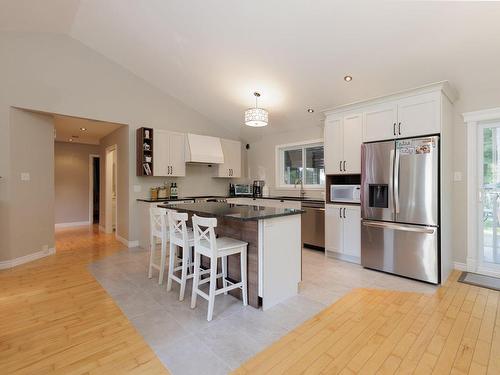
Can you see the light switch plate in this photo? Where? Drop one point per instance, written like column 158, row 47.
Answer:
column 137, row 188
column 25, row 176
column 457, row 176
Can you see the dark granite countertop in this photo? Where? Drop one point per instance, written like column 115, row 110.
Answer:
column 275, row 197
column 178, row 199
column 234, row 211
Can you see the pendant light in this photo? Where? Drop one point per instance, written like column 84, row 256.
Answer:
column 256, row 117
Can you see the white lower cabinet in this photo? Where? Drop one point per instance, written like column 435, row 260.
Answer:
column 343, row 232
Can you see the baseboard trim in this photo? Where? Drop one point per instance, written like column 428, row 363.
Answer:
column 126, row 242
column 27, row 258
column 460, row 266
column 72, row 224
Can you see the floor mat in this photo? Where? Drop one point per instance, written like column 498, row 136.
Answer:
column 480, row 280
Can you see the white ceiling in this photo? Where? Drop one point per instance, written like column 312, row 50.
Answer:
column 213, row 55
column 69, row 127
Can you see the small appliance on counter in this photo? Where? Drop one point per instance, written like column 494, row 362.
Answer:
column 258, row 187
column 345, row 193
column 231, row 190
column 242, row 189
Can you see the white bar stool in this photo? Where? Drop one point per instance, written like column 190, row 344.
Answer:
column 181, row 236
column 206, row 243
column 158, row 231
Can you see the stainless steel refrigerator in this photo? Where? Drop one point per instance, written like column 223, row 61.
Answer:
column 400, row 207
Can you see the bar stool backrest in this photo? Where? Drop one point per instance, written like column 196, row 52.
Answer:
column 178, row 228
column 204, row 234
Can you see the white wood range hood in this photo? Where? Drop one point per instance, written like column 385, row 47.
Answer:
column 203, row 149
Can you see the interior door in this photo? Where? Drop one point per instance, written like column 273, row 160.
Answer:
column 177, row 154
column 489, row 205
column 333, row 228
column 380, row 122
column 333, row 146
column 377, row 199
column 416, row 180
column 352, row 129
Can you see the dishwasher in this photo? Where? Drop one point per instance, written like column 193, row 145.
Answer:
column 313, row 225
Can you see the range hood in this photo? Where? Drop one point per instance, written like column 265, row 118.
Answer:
column 203, row 149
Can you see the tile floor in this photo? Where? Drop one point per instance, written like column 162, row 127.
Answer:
column 187, row 344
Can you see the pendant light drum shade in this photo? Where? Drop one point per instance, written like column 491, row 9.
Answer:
column 256, row 117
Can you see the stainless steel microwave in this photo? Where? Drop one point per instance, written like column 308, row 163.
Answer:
column 242, row 189
column 345, row 193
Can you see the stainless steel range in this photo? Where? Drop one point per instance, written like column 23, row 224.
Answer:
column 400, row 207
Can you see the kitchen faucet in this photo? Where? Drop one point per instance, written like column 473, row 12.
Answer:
column 302, row 191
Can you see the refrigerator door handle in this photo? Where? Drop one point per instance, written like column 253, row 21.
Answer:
column 396, row 181
column 406, row 228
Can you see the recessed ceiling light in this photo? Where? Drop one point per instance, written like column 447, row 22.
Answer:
column 348, row 78
column 310, row 110
column 70, row 139
column 83, row 129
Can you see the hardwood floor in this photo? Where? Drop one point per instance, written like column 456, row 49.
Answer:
column 453, row 331
column 55, row 318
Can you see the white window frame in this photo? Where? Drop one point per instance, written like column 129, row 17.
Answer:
column 279, row 163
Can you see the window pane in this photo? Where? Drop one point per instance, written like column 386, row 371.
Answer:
column 292, row 165
column 315, row 166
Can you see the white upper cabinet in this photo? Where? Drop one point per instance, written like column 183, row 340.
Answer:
column 379, row 122
column 342, row 143
column 231, row 167
column 419, row 115
column 333, row 145
column 169, row 154
column 353, row 130
column 407, row 117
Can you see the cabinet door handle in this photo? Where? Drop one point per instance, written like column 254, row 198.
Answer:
column 170, row 168
column 340, row 213
column 344, row 212
column 344, row 166
column 399, row 128
column 232, row 172
column 340, row 166
column 394, row 128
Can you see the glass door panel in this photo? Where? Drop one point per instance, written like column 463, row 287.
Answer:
column 489, row 179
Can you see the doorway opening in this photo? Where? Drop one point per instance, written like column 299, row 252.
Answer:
column 111, row 192
column 94, row 188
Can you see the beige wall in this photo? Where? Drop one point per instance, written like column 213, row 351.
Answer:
column 31, row 220
column 261, row 157
column 56, row 74
column 71, row 181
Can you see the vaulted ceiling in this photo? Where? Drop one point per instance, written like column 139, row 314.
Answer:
column 213, row 55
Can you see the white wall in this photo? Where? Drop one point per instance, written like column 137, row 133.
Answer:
column 56, row 74
column 71, row 181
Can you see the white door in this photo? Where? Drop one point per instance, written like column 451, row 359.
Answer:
column 488, row 257
column 177, row 158
column 333, row 146
column 353, row 129
column 380, row 122
column 352, row 231
column 161, row 157
column 419, row 115
column 333, row 228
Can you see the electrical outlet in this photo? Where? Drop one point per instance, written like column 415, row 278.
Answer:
column 457, row 176
column 25, row 176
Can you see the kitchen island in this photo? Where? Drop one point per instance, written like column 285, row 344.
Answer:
column 274, row 246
